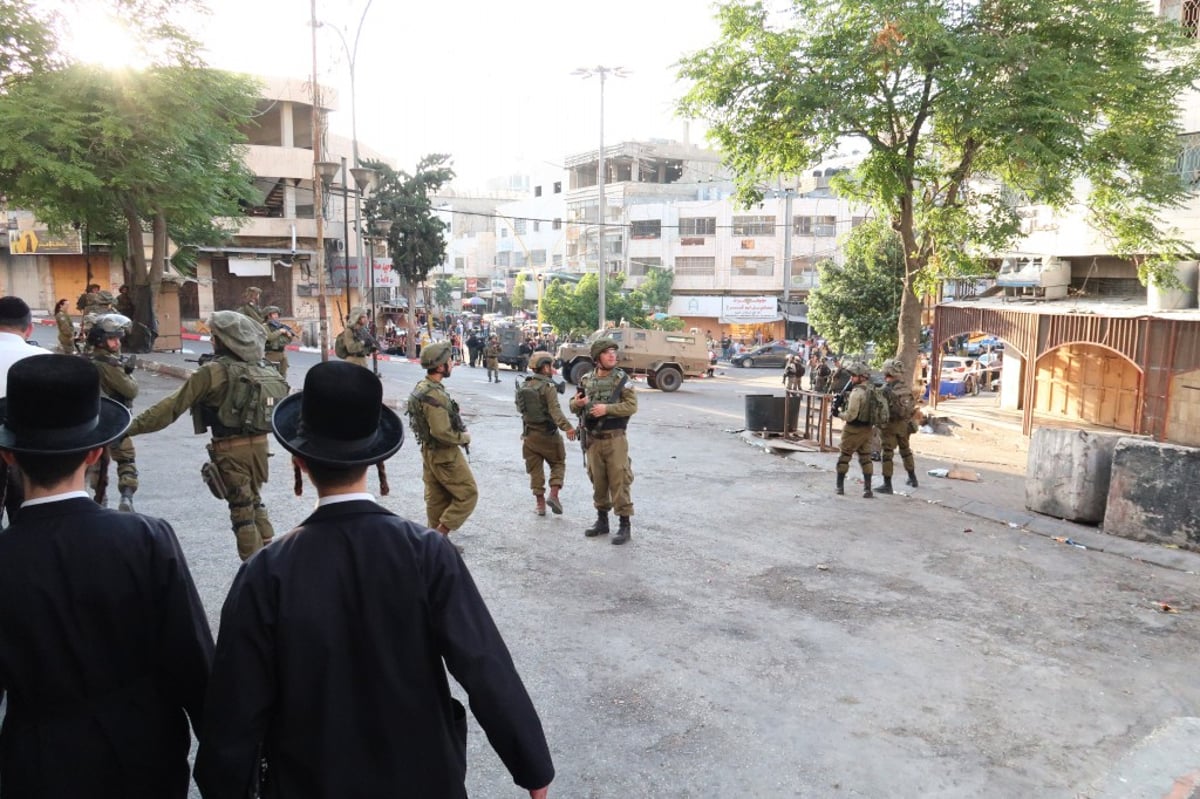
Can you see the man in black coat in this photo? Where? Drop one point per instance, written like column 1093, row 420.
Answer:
column 104, row 645
column 335, row 640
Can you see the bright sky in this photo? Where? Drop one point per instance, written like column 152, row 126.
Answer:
column 488, row 82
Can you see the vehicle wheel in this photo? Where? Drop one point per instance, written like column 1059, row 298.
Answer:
column 668, row 379
column 651, row 380
column 580, row 369
column 748, row 363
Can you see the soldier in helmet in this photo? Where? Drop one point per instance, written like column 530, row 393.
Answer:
column 605, row 401
column 279, row 336
column 856, row 434
column 249, row 305
column 356, row 343
column 450, row 491
column 116, row 381
column 900, row 426
column 215, row 394
column 491, row 358
column 542, row 418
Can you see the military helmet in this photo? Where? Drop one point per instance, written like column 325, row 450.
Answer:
column 893, row 367
column 106, row 298
column 109, row 325
column 857, row 368
column 540, row 359
column 255, row 290
column 270, row 309
column 602, row 344
column 240, row 334
column 435, row 354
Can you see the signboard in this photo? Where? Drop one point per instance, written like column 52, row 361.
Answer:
column 385, row 275
column 472, row 285
column 695, row 306
column 749, row 310
column 27, row 239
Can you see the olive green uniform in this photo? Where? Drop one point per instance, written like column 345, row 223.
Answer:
column 356, row 351
column 252, row 310
column 119, row 385
column 541, row 444
column 898, row 429
column 276, row 349
column 856, row 435
column 491, row 361
column 450, row 490
column 240, row 459
column 608, row 462
column 66, row 333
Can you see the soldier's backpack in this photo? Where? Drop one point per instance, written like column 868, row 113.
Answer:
column 339, row 348
column 254, row 389
column 532, row 409
column 900, row 404
column 878, row 407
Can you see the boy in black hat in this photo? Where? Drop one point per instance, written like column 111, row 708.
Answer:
column 104, row 645
column 336, row 639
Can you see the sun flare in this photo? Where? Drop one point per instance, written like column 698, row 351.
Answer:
column 93, row 34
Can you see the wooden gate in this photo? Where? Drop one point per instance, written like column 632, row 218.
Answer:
column 1083, row 382
column 69, row 274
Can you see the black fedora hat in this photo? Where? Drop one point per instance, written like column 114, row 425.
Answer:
column 54, row 406
column 339, row 418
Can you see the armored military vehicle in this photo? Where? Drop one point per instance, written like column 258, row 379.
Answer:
column 666, row 357
column 512, row 353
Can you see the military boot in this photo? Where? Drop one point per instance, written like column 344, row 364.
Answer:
column 622, row 535
column 867, row 493
column 541, row 504
column 126, row 503
column 886, row 488
column 600, row 527
column 841, row 484
column 553, row 500
column 912, row 478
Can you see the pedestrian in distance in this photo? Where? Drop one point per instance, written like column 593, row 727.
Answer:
column 856, row 433
column 450, row 490
column 541, row 419
column 491, row 358
column 323, row 692
column 116, row 382
column 105, row 648
column 605, row 402
column 900, row 426
column 66, row 328
column 233, row 396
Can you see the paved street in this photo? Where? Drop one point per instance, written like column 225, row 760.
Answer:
column 761, row 637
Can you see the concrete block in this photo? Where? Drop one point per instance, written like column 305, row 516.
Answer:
column 1067, row 473
column 1151, row 493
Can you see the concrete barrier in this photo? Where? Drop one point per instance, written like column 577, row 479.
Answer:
column 1151, row 494
column 1067, row 473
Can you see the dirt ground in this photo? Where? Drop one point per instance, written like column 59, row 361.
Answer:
column 964, row 440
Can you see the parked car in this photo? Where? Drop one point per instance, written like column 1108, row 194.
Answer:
column 766, row 355
column 956, row 369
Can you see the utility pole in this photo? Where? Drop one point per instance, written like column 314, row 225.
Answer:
column 318, row 204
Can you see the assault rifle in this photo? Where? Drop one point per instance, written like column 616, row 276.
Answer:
column 275, row 324
column 364, row 337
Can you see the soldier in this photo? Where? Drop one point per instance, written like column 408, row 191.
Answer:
column 124, row 305
column 542, row 418
column 88, row 298
column 116, row 382
column 249, row 305
column 233, row 394
column 856, row 435
column 66, row 328
column 899, row 427
column 793, row 370
column 279, row 336
column 355, row 343
column 821, row 375
column 491, row 358
column 606, row 401
column 450, row 491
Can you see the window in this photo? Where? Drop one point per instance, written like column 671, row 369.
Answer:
column 822, row 226
column 537, row 191
column 503, row 232
column 558, row 187
column 646, row 229
column 557, row 224
column 502, row 258
column 519, row 227
column 537, row 257
column 695, row 265
column 1190, row 18
column 698, row 226
column 460, row 264
column 1189, row 158
column 638, row 267
column 754, row 226
column 518, row 260
column 537, row 226
column 616, row 246
column 557, row 261
column 752, row 267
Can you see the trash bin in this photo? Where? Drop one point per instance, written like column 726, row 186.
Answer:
column 765, row 413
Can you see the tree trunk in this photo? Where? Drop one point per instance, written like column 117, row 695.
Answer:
column 140, row 338
column 410, row 294
column 908, row 326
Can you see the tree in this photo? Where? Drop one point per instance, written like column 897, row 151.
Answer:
column 28, row 45
column 573, row 310
column 443, row 291
column 655, row 290
column 130, row 152
column 859, row 301
column 959, row 105
column 416, row 241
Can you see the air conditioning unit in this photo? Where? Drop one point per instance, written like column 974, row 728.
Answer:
column 1040, row 276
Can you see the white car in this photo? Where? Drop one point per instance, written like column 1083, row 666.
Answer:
column 956, row 369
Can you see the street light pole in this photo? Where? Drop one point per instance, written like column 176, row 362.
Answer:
column 602, row 267
column 318, row 206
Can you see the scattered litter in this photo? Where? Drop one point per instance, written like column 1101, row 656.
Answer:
column 939, row 472
column 926, row 429
column 1071, row 542
column 959, row 473
column 1166, row 608
column 968, row 530
column 1014, row 525
column 1171, row 546
column 824, row 567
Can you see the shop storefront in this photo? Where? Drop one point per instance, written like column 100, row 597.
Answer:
column 748, row 320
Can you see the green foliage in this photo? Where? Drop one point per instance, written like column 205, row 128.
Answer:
column 27, row 44
column 958, row 105
column 859, row 301
column 443, row 291
column 416, row 241
column 573, row 309
column 518, row 295
column 655, row 290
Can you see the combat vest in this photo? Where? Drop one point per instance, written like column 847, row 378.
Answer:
column 605, row 390
column 251, row 393
column 531, row 404
column 422, row 395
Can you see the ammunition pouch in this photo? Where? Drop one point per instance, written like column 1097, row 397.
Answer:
column 212, row 478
